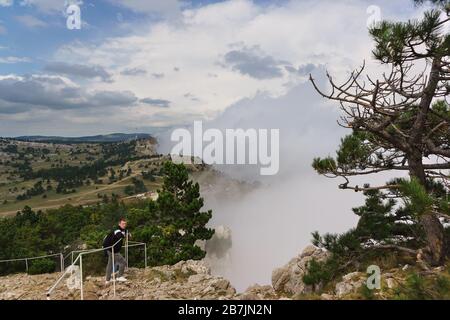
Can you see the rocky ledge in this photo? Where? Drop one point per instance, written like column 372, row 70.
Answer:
column 193, row 280
column 184, row 280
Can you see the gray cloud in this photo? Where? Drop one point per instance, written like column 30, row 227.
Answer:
column 302, row 70
column 112, row 98
column 158, row 75
column 254, row 63
column 134, row 72
column 45, row 92
column 156, row 102
column 8, row 108
column 191, row 96
column 79, row 70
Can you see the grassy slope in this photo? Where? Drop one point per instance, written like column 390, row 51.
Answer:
column 72, row 155
column 82, row 154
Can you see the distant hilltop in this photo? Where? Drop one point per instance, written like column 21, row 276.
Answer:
column 113, row 137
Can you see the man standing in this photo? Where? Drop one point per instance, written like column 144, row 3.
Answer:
column 116, row 238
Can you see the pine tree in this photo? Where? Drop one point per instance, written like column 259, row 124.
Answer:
column 179, row 205
column 399, row 121
column 172, row 225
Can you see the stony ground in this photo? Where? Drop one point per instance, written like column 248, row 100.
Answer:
column 185, row 280
column 193, row 280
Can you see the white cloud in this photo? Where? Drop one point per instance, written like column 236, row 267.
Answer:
column 50, row 6
column 6, row 3
column 30, row 21
column 166, row 8
column 12, row 60
column 293, row 34
column 190, row 53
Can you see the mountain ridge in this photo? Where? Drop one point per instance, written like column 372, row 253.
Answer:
column 102, row 138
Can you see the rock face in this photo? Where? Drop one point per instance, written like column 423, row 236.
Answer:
column 350, row 283
column 289, row 278
column 257, row 292
column 185, row 280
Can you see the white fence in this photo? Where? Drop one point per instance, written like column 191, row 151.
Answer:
column 26, row 260
column 79, row 259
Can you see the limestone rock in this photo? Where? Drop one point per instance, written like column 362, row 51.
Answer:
column 193, row 266
column 391, row 283
column 196, row 278
column 74, row 279
column 326, row 296
column 350, row 283
column 185, row 280
column 258, row 292
column 289, row 278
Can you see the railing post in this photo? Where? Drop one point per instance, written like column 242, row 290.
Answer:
column 72, row 257
column 61, row 260
column 26, row 264
column 113, row 271
column 81, row 277
column 145, row 255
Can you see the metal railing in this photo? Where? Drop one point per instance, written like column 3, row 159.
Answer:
column 128, row 244
column 82, row 253
column 137, row 244
column 27, row 259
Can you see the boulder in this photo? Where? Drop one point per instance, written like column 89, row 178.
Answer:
column 391, row 283
column 73, row 281
column 350, row 283
column 289, row 278
column 195, row 278
column 258, row 292
column 193, row 267
column 221, row 284
column 326, row 296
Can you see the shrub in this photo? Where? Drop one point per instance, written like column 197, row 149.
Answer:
column 42, row 266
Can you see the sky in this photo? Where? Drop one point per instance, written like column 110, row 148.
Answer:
column 152, row 66
column 145, row 66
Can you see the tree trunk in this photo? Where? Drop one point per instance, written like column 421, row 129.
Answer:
column 435, row 252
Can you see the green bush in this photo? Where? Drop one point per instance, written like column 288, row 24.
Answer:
column 418, row 287
column 42, row 266
column 318, row 272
